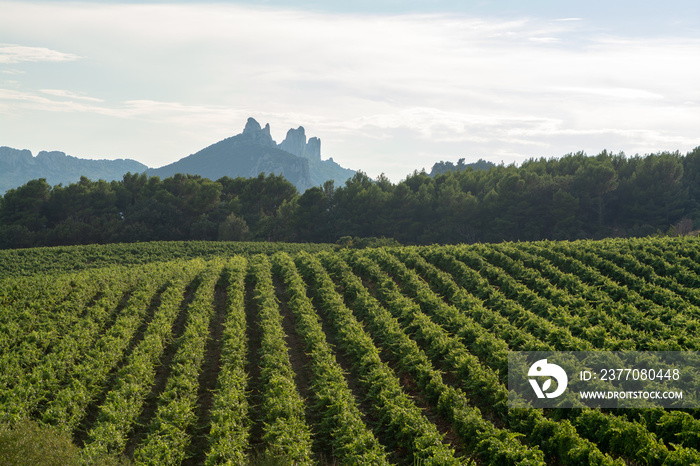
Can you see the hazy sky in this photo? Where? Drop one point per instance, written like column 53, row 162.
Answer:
column 388, row 86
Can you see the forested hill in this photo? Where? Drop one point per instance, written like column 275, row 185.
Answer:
column 575, row 196
column 247, row 154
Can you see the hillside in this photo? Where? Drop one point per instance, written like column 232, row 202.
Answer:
column 254, row 151
column 19, row 166
column 215, row 352
column 245, row 155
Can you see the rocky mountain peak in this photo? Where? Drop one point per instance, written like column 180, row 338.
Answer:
column 295, row 143
column 251, row 126
column 313, row 149
column 255, row 134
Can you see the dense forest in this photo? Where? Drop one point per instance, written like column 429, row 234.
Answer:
column 572, row 197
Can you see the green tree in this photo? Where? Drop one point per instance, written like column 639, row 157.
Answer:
column 658, row 196
column 594, row 180
column 691, row 181
column 27, row 205
column 565, row 214
column 233, row 228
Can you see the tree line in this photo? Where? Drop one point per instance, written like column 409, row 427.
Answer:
column 572, row 197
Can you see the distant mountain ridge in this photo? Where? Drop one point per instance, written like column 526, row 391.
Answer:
column 254, row 151
column 19, row 166
column 246, row 155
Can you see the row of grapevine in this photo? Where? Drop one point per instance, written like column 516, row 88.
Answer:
column 88, row 377
column 554, row 438
column 602, row 329
column 229, row 433
column 657, row 420
column 46, row 261
column 609, row 317
column 633, row 439
column 133, row 381
column 285, row 431
column 346, row 434
column 644, row 316
column 399, row 418
column 491, row 444
column 376, row 356
column 35, row 312
column 63, row 354
column 168, row 434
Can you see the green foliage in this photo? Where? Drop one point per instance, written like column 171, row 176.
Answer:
column 51, row 260
column 575, row 196
column 284, row 427
column 440, row 168
column 229, row 434
column 400, row 346
column 27, row 442
column 362, row 243
column 169, row 431
column 342, row 428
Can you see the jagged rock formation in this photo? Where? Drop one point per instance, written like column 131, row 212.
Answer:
column 295, row 143
column 19, row 166
column 252, row 126
column 254, row 151
column 313, row 149
column 254, row 134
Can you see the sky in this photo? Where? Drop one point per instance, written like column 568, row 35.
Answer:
column 388, row 86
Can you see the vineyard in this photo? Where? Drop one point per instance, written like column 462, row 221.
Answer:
column 225, row 353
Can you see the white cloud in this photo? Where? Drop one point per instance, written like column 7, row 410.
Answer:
column 69, row 95
column 620, row 93
column 433, row 86
column 38, row 102
column 438, row 125
column 545, row 40
column 132, row 109
column 18, row 53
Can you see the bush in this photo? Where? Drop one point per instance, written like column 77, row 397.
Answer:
column 28, row 442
